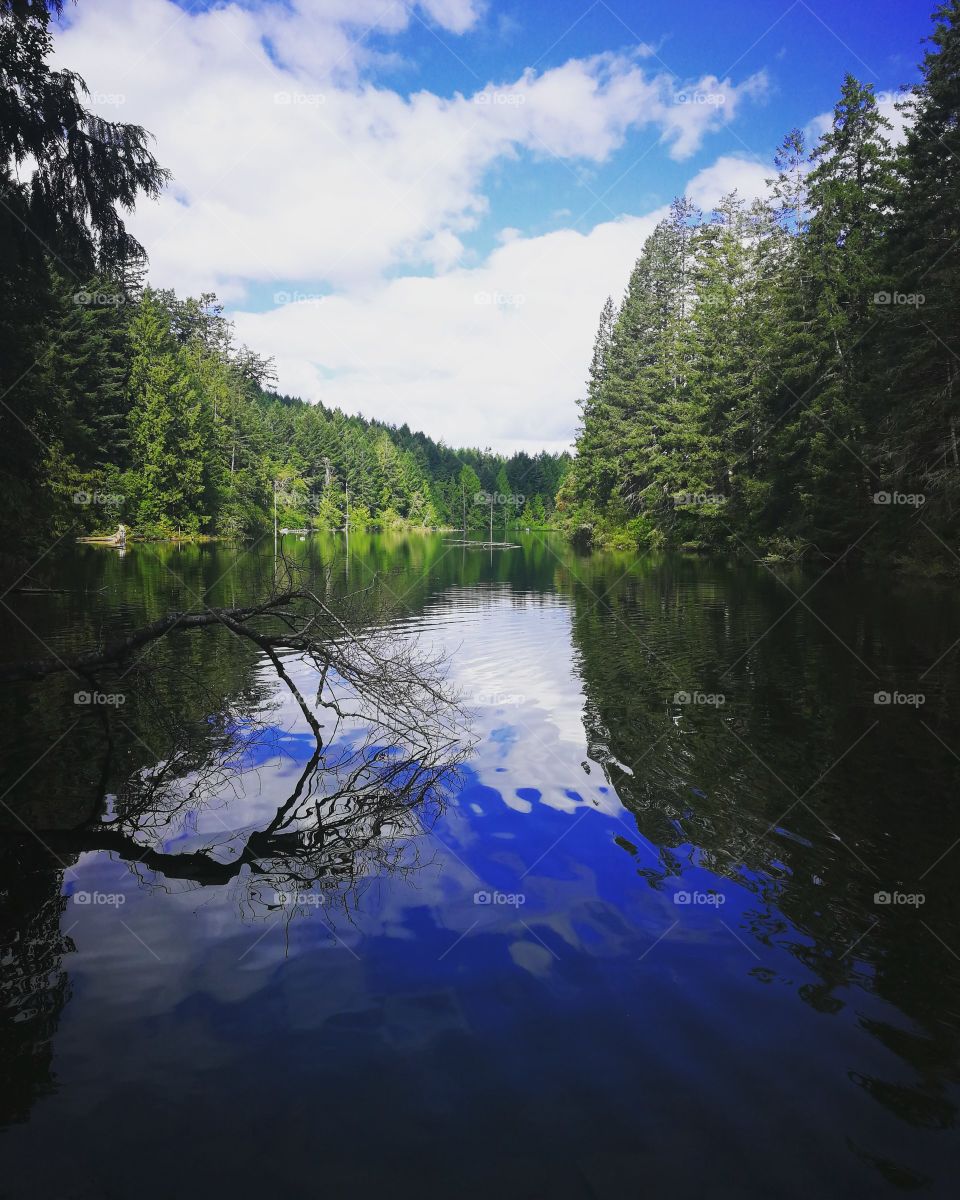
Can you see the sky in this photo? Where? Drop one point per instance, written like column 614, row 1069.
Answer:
column 418, row 208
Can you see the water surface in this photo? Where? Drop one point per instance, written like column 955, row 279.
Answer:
column 643, row 943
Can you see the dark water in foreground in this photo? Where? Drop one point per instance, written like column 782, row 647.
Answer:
column 640, row 948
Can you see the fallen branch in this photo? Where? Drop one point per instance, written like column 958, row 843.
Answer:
column 115, row 653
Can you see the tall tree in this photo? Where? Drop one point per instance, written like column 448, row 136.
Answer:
column 918, row 339
column 169, row 426
column 822, row 443
column 66, row 177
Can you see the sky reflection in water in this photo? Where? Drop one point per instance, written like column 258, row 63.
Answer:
column 620, row 955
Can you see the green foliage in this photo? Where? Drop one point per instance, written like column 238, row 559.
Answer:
column 124, row 402
column 66, row 176
column 157, row 408
column 169, row 425
column 772, row 367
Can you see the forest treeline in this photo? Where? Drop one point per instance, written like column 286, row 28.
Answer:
column 164, row 423
column 781, row 376
column 122, row 402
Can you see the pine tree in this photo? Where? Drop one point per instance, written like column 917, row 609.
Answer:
column 823, row 443
column 596, row 453
column 66, row 176
column 660, row 429
column 169, row 432
column 472, row 513
column 718, row 387
column 918, row 337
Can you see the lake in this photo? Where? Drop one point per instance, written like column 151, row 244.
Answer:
column 684, row 917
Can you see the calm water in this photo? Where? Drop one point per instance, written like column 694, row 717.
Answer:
column 638, row 947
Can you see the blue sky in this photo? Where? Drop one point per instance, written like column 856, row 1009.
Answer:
column 418, row 207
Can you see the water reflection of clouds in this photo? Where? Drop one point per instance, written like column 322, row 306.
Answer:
column 528, row 787
column 532, row 746
column 601, row 974
column 533, row 817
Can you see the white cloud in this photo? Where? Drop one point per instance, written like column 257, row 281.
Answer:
column 493, row 355
column 294, row 172
column 886, row 102
column 443, row 251
column 456, row 15
column 706, row 103
column 731, row 172
column 817, row 127
column 290, row 166
column 334, row 36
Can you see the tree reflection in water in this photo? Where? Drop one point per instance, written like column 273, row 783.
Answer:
column 384, row 740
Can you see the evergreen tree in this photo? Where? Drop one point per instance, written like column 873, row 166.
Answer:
column 169, row 429
column 596, row 417
column 822, row 447
column 917, row 339
column 66, row 176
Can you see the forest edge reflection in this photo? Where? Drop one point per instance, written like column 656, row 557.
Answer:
column 705, row 804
